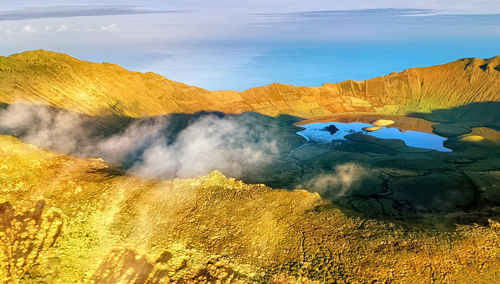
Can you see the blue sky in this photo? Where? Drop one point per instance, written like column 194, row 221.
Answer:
column 223, row 44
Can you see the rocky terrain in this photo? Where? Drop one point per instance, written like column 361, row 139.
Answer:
column 72, row 212
column 71, row 220
column 43, row 77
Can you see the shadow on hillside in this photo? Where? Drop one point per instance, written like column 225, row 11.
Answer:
column 457, row 121
column 25, row 237
column 371, row 179
column 485, row 114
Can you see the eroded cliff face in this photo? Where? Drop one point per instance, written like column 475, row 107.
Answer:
column 80, row 220
column 414, row 90
column 43, row 77
column 77, row 220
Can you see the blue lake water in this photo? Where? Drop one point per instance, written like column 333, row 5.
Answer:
column 316, row 133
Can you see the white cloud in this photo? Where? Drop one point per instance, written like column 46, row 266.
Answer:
column 149, row 146
column 210, row 143
column 35, row 11
column 109, row 28
column 347, row 177
column 30, row 29
column 62, row 28
column 232, row 44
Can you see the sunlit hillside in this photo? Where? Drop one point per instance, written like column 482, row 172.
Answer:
column 44, row 77
column 112, row 176
column 77, row 220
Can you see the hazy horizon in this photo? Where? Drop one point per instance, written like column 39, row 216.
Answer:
column 223, row 45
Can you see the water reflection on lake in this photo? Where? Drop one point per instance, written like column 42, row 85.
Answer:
column 318, row 133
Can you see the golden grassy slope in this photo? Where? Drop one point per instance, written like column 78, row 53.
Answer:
column 91, row 223
column 43, row 77
column 417, row 89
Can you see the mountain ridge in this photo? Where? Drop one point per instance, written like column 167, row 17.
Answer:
column 57, row 79
column 74, row 219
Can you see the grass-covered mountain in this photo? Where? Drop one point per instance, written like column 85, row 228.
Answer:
column 411, row 216
column 43, row 77
column 71, row 220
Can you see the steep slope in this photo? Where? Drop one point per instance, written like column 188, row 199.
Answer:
column 72, row 220
column 418, row 89
column 43, row 77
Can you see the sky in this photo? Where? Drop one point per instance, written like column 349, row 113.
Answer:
column 237, row 45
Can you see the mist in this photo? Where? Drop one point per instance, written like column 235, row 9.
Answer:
column 345, row 179
column 150, row 147
column 251, row 147
column 208, row 144
column 46, row 128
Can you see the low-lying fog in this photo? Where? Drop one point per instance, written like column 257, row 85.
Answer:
column 151, row 147
column 368, row 177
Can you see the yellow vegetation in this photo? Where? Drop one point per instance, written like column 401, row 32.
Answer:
column 43, row 77
column 382, row 122
column 472, row 138
column 101, row 225
column 76, row 220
